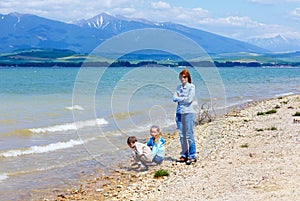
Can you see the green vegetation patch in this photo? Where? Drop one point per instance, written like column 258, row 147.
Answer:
column 244, row 145
column 260, row 113
column 271, row 111
column 296, row 114
column 273, row 128
column 267, row 112
column 161, row 173
column 277, row 107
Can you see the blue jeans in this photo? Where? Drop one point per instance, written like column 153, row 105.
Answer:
column 185, row 125
column 158, row 159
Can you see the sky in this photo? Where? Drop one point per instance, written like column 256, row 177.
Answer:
column 238, row 19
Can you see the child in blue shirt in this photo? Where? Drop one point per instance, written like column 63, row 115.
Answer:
column 156, row 142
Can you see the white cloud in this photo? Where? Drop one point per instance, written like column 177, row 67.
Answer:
column 261, row 31
column 270, row 2
column 187, row 16
column 292, row 34
column 124, row 11
column 244, row 28
column 234, row 21
column 160, row 5
column 239, row 27
column 295, row 13
column 265, row 2
column 200, row 10
column 64, row 10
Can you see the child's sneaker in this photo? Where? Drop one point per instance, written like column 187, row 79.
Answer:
column 142, row 168
column 136, row 165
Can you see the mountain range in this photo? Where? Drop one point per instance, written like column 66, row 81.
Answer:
column 277, row 43
column 25, row 31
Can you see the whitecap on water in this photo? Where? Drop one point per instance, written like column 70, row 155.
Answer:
column 44, row 148
column 3, row 176
column 70, row 126
column 75, row 107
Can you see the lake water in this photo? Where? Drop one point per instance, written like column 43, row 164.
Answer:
column 56, row 123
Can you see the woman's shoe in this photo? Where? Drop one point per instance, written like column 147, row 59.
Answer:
column 182, row 159
column 190, row 161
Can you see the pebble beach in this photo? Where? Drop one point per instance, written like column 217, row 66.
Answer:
column 248, row 154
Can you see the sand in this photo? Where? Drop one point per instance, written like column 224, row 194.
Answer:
column 241, row 156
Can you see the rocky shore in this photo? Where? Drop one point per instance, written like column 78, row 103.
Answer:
column 251, row 154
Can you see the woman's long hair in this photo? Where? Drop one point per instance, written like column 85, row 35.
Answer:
column 185, row 72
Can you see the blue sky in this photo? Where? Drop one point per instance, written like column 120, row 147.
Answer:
column 239, row 19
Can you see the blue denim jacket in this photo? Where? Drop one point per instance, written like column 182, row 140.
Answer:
column 157, row 149
column 185, row 95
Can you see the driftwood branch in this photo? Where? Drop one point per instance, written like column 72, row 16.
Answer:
column 206, row 114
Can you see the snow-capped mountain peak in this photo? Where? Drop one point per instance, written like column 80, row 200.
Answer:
column 278, row 43
column 280, row 37
column 98, row 22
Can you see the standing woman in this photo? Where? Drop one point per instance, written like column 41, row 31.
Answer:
column 184, row 96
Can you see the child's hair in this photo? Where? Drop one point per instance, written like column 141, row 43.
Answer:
column 158, row 130
column 131, row 139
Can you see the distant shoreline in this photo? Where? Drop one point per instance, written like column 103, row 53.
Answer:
column 226, row 64
column 69, row 58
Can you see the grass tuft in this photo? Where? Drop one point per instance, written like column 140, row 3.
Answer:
column 273, row 128
column 277, row 107
column 260, row 113
column 267, row 112
column 271, row 111
column 244, row 145
column 161, row 173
